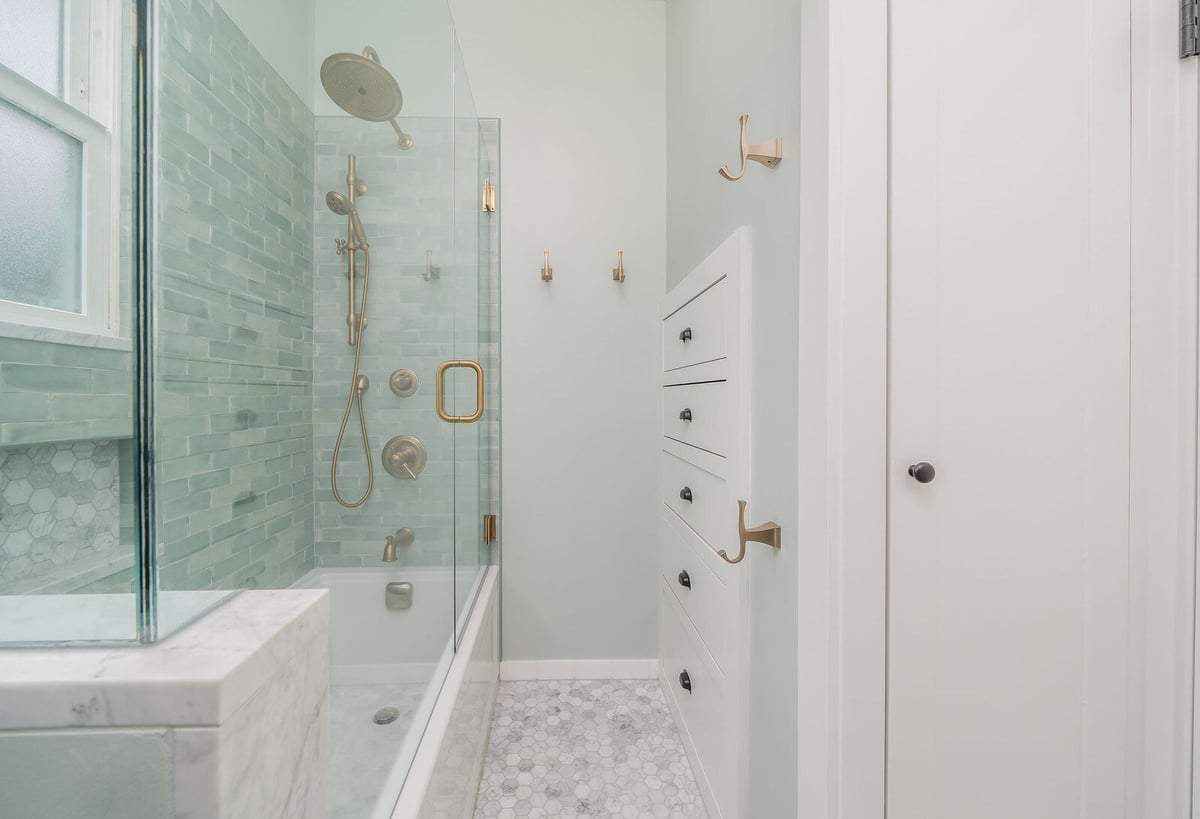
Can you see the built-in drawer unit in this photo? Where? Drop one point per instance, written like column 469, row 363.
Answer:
column 699, row 414
column 698, row 579
column 695, row 333
column 708, row 715
column 701, row 499
column 705, row 469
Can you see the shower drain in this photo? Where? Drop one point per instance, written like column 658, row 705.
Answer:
column 384, row 716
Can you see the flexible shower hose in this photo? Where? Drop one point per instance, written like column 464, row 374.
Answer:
column 355, row 392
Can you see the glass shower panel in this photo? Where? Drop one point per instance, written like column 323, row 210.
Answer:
column 233, row 293
column 469, row 386
column 67, row 544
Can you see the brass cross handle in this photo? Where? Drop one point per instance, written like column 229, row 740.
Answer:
column 769, row 533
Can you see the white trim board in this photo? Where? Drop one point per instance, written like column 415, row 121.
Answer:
column 513, row 670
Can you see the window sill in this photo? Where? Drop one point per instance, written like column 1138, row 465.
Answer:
column 51, row 335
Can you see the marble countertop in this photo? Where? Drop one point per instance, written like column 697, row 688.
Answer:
column 198, row 676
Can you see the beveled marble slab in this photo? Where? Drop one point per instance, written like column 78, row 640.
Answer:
column 197, row 677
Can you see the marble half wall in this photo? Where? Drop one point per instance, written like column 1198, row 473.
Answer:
column 226, row 719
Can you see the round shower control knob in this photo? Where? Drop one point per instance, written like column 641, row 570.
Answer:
column 922, row 472
column 404, row 457
column 404, row 382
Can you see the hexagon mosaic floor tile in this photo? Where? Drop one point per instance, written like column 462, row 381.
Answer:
column 578, row 748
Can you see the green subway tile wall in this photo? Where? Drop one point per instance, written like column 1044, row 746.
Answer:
column 52, row 392
column 234, row 366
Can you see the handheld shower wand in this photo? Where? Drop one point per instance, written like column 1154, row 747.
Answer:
column 355, row 242
column 339, row 204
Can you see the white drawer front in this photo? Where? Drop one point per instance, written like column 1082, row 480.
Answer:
column 707, row 712
column 698, row 579
column 696, row 332
column 709, row 510
column 708, row 408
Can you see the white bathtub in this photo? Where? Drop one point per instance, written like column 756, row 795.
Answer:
column 427, row 774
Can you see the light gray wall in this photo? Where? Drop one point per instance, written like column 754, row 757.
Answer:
column 578, row 87
column 726, row 58
column 415, row 43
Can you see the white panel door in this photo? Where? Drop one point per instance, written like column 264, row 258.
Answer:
column 1009, row 373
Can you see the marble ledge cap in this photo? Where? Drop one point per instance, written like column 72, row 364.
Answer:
column 198, row 676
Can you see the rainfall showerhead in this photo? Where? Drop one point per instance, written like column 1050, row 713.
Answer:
column 362, row 87
column 342, row 206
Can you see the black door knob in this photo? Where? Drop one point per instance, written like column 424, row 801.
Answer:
column 685, row 494
column 685, row 335
column 685, row 579
column 922, row 472
column 685, row 681
column 685, row 414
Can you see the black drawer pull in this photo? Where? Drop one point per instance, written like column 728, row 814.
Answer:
column 685, row 494
column 685, row 414
column 685, row 681
column 685, row 580
column 685, row 335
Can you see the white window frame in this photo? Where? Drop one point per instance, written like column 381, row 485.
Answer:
column 87, row 110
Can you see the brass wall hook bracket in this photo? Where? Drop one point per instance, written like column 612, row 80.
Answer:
column 547, row 270
column 489, row 196
column 769, row 533
column 769, row 153
column 432, row 271
column 619, row 270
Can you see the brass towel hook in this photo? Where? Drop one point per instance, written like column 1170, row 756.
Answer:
column 619, row 270
column 769, row 153
column 769, row 533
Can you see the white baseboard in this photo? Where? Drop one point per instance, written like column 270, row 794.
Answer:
column 579, row 669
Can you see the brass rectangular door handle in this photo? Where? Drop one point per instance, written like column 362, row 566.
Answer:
column 441, row 392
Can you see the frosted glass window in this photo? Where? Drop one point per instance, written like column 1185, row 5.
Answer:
column 31, row 40
column 41, row 212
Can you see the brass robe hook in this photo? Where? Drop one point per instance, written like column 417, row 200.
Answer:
column 769, row 153
column 769, row 533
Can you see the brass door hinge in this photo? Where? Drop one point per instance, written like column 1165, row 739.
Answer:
column 489, row 529
column 489, row 196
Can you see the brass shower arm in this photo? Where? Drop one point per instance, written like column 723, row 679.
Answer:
column 405, row 141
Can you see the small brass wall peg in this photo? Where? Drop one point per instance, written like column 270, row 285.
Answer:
column 432, row 271
column 619, row 270
column 547, row 270
column 769, row 533
column 489, row 196
column 769, row 153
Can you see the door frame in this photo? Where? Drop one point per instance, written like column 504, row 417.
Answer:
column 1165, row 679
